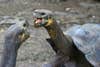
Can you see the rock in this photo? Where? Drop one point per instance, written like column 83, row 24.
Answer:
column 8, row 20
column 5, row 1
column 67, row 9
column 87, row 5
column 49, row 1
column 60, row 13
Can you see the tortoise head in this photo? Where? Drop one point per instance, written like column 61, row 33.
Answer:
column 17, row 34
column 42, row 17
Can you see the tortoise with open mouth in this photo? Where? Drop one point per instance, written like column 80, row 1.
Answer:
column 81, row 42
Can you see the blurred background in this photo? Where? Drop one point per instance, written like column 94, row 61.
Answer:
column 36, row 51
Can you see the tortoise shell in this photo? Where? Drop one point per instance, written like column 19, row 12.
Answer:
column 87, row 39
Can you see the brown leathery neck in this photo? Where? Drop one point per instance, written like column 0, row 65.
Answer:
column 62, row 43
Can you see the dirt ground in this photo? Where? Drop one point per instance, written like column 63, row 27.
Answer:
column 36, row 51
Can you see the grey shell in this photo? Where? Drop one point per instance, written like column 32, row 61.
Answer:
column 87, row 39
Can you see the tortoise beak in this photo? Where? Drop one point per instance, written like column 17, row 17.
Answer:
column 24, row 35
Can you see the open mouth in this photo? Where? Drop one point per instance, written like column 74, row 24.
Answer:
column 38, row 22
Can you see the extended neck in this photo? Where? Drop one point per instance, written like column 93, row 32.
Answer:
column 62, row 43
column 9, row 55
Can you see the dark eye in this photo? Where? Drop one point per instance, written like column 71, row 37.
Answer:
column 24, row 25
column 42, row 13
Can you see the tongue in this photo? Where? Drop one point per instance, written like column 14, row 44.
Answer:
column 38, row 21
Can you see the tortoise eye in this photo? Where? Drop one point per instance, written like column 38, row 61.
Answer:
column 24, row 25
column 42, row 13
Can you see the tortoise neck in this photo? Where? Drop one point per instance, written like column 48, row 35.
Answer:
column 54, row 30
column 9, row 56
column 62, row 43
